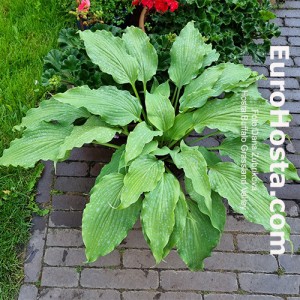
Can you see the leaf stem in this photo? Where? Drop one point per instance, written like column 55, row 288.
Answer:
column 213, row 148
column 125, row 130
column 138, row 96
column 111, row 145
column 204, row 137
column 174, row 95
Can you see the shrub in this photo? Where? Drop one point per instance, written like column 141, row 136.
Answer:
column 233, row 27
column 142, row 177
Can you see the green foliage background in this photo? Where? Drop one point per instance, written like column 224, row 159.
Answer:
column 230, row 25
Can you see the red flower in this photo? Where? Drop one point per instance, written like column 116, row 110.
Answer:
column 135, row 2
column 173, row 6
column 148, row 3
column 161, row 5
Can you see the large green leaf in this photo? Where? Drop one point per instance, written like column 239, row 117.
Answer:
column 195, row 168
column 212, row 82
column 113, row 165
column 218, row 213
column 94, row 129
column 160, row 111
column 256, row 155
column 52, row 110
column 116, row 107
column 110, row 54
column 103, row 226
column 181, row 211
column 226, row 114
column 187, row 54
column 137, row 139
column 143, row 175
column 183, row 123
column 210, row 157
column 158, row 213
column 226, row 179
column 138, row 45
column 198, row 238
column 40, row 143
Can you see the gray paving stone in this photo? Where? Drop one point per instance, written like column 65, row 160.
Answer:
column 293, row 298
column 119, row 279
column 96, row 168
column 256, row 243
column 64, row 237
column 71, row 257
column 74, row 184
column 134, row 258
column 261, row 70
column 293, row 107
column 290, row 263
column 292, row 22
column 269, row 283
column 293, row 132
column 288, row 192
column 232, row 224
column 295, row 225
column 279, row 41
column 34, row 256
column 198, row 281
column 278, row 22
column 76, row 169
column 137, row 225
column 295, row 51
column 59, row 277
column 68, row 202
column 226, row 243
column 135, row 239
column 292, row 72
column 44, row 184
column 239, row 297
column 77, row 294
column 101, row 154
column 295, row 159
column 141, row 295
column 65, row 219
column 265, row 93
column 296, row 145
column 209, row 142
column 297, row 62
column 241, row 262
column 289, row 83
column 292, row 95
column 292, row 208
column 288, row 13
column 295, row 41
column 292, row 4
column 287, row 62
column 28, row 292
column 289, row 31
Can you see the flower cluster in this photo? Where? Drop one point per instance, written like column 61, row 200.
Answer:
column 158, row 5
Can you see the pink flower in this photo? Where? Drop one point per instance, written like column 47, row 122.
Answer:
column 84, row 5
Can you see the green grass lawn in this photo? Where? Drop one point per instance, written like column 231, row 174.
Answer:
column 29, row 29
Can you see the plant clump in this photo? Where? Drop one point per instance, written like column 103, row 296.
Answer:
column 157, row 175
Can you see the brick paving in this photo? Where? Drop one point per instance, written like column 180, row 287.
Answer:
column 239, row 269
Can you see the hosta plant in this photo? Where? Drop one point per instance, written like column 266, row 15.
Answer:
column 175, row 188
